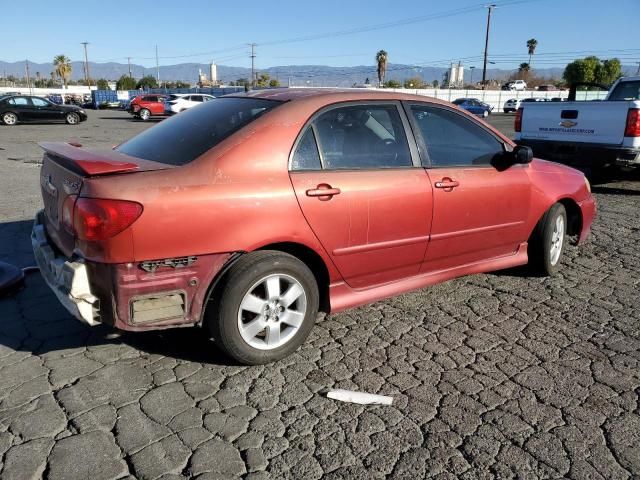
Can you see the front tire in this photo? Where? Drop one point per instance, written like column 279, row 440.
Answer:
column 144, row 114
column 266, row 309
column 485, row 114
column 546, row 245
column 72, row 118
column 9, row 118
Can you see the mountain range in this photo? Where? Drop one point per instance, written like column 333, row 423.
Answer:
column 296, row 75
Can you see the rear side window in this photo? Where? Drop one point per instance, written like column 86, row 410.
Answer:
column 454, row 141
column 362, row 137
column 626, row 91
column 18, row 101
column 306, row 156
column 183, row 138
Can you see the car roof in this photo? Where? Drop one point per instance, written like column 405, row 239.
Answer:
column 333, row 95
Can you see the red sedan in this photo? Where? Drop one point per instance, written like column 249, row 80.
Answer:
column 146, row 106
column 248, row 215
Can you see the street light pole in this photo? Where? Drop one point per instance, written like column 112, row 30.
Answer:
column 486, row 47
column 87, row 78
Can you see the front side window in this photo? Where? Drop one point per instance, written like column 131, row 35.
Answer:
column 18, row 101
column 362, row 137
column 453, row 140
column 183, row 138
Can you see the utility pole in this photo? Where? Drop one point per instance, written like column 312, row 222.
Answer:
column 157, row 67
column 129, row 62
column 87, row 78
column 486, row 47
column 638, row 71
column 26, row 67
column 253, row 64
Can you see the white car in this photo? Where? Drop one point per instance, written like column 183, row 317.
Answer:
column 178, row 102
column 511, row 105
column 518, row 85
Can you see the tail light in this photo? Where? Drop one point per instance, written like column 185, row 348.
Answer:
column 517, row 124
column 67, row 213
column 96, row 219
column 633, row 123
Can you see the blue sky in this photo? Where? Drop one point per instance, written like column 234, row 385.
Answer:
column 565, row 29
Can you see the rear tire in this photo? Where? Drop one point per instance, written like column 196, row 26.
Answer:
column 9, row 118
column 72, row 118
column 547, row 242
column 266, row 308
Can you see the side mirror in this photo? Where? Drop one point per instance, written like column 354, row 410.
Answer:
column 522, row 154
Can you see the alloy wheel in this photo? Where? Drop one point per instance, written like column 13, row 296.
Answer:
column 272, row 311
column 557, row 239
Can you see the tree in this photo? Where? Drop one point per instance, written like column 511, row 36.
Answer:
column 591, row 69
column 102, row 84
column 523, row 71
column 146, row 82
column 435, row 83
column 63, row 68
column 532, row 43
column 392, row 84
column 414, row 82
column 125, row 82
column 181, row 84
column 274, row 83
column 381, row 59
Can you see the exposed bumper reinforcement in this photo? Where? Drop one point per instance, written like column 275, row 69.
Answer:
column 68, row 279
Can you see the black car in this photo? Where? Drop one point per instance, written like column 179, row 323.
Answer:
column 26, row 108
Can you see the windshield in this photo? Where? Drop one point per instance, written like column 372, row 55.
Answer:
column 626, row 91
column 183, row 138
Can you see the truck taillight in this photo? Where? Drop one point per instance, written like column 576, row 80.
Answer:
column 67, row 213
column 96, row 219
column 517, row 124
column 633, row 123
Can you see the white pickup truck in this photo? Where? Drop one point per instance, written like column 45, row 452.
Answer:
column 590, row 135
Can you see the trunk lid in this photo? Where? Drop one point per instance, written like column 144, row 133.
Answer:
column 64, row 168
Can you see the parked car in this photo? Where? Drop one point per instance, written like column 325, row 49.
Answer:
column 248, row 215
column 146, row 106
column 515, row 85
column 534, row 99
column 511, row 105
column 177, row 103
column 29, row 108
column 474, row 106
column 547, row 88
column 591, row 135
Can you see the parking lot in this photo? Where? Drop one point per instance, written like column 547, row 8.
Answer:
column 500, row 375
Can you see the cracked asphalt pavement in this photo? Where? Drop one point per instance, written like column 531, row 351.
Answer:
column 502, row 375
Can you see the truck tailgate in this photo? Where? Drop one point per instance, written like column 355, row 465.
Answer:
column 601, row 122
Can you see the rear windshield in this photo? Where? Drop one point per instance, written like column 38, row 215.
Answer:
column 183, row 138
column 626, row 91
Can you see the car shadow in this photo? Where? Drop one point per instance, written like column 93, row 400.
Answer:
column 612, row 190
column 33, row 320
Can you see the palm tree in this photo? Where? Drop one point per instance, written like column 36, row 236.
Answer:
column 63, row 68
column 532, row 43
column 381, row 58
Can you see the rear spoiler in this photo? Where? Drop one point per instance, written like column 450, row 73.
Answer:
column 90, row 163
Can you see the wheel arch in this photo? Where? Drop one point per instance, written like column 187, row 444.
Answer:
column 302, row 252
column 574, row 216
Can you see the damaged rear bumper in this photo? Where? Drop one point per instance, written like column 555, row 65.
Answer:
column 68, row 279
column 147, row 295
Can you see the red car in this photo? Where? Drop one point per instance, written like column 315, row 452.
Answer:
column 146, row 106
column 248, row 215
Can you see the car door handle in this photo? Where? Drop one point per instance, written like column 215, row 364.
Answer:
column 447, row 183
column 323, row 190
